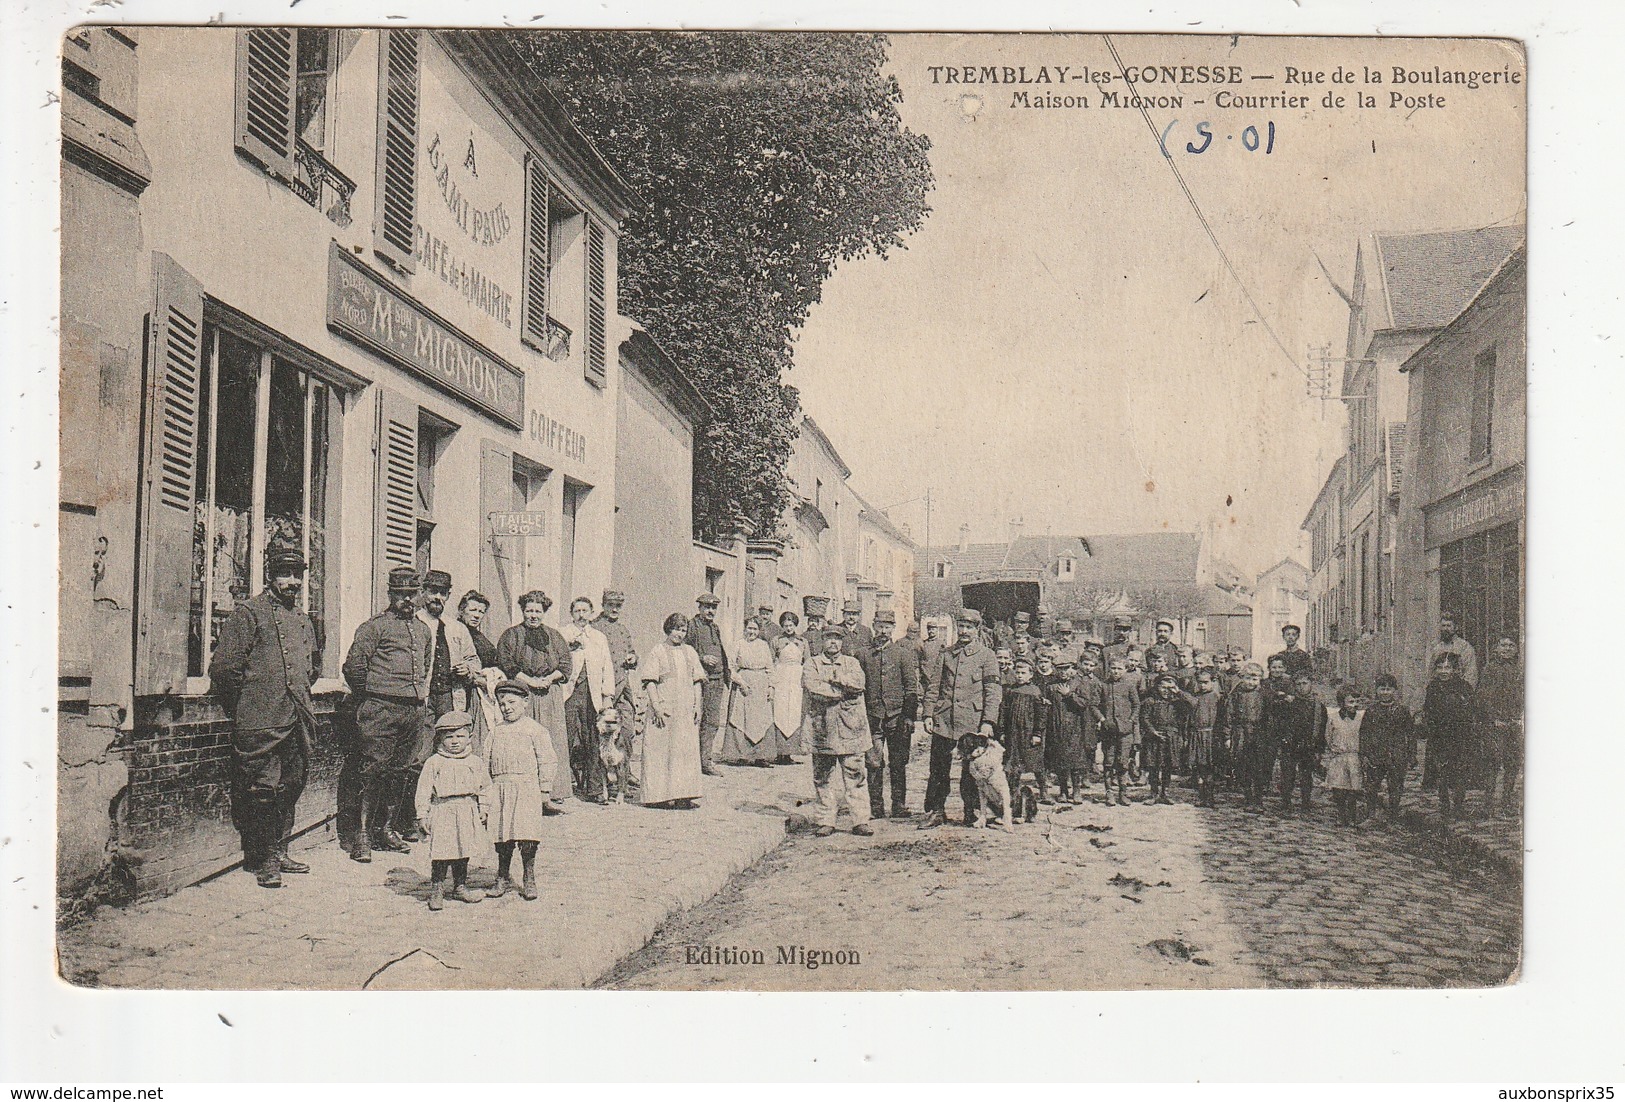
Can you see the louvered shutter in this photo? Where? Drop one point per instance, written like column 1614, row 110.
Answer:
column 395, row 516
column 596, row 305
column 496, row 556
column 395, row 218
column 174, row 394
column 538, row 258
column 266, row 79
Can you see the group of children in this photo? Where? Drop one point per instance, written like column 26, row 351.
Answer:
column 1075, row 715
column 467, row 799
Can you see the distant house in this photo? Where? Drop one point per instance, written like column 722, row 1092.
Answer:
column 1089, row 580
column 1281, row 597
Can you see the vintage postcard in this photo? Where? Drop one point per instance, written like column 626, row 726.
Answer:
column 790, row 511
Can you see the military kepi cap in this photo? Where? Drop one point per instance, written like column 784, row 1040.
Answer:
column 403, row 579
column 885, row 616
column 968, row 616
column 708, row 600
column 437, row 579
column 851, row 606
column 285, row 558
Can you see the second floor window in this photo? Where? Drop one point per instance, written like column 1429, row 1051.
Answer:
column 283, row 112
column 1483, row 411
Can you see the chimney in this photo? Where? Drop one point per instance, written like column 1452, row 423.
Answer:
column 964, row 537
column 908, row 531
column 1015, row 529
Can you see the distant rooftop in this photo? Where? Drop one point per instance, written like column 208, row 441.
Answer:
column 1429, row 277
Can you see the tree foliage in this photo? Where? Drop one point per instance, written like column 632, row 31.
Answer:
column 762, row 161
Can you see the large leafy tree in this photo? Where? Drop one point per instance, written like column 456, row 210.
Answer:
column 762, row 160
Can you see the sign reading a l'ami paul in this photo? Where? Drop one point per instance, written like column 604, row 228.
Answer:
column 366, row 308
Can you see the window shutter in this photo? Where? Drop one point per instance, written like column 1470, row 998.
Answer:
column 395, row 220
column 169, row 477
column 265, row 97
column 595, row 303
column 496, row 556
column 538, row 255
column 395, row 516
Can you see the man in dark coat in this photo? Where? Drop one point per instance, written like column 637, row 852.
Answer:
column 856, row 639
column 623, row 656
column 387, row 670
column 1296, row 658
column 892, row 683
column 1451, row 719
column 962, row 697
column 265, row 663
column 706, row 639
column 1164, row 646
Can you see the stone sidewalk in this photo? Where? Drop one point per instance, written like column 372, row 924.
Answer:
column 609, row 877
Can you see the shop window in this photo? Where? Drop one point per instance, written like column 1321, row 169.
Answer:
column 1481, row 583
column 261, row 481
column 1483, row 411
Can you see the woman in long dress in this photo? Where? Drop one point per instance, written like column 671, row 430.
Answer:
column 535, row 654
column 671, row 675
column 750, row 715
column 789, row 655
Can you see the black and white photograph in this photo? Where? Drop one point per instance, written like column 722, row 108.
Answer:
column 789, row 511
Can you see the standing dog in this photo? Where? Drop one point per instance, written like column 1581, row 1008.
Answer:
column 986, row 759
column 612, row 754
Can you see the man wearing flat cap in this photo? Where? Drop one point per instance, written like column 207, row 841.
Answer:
column 265, row 664
column 623, row 657
column 856, row 639
column 962, row 697
column 706, row 639
column 769, row 624
column 892, row 689
column 387, row 670
column 1122, row 640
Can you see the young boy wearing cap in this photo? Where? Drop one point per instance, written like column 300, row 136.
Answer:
column 1239, row 732
column 1119, row 725
column 451, row 804
column 522, row 766
column 1022, row 718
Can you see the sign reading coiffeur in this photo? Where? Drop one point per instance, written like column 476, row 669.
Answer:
column 366, row 308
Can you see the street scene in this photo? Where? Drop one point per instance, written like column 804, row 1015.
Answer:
column 472, row 576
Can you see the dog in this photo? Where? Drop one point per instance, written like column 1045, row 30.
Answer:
column 1027, row 801
column 985, row 758
column 612, row 755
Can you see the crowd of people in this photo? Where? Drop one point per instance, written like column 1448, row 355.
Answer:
column 469, row 745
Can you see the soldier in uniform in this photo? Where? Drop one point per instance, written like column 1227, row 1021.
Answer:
column 387, row 670
column 266, row 661
column 892, row 676
column 962, row 697
column 1067, row 650
column 1122, row 641
column 706, row 639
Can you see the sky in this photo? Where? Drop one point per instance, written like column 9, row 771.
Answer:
column 1061, row 342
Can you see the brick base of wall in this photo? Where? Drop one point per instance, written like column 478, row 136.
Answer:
column 177, row 815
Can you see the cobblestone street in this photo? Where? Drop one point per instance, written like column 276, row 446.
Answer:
column 1099, row 897
column 1091, row 897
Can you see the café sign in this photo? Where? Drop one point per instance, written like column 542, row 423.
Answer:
column 366, row 308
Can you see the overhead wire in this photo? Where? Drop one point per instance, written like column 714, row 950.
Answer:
column 1207, row 227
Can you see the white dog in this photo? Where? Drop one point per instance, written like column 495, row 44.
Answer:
column 986, row 760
